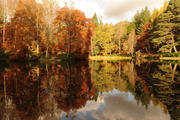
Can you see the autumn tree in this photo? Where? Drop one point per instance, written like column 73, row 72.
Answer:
column 130, row 44
column 3, row 13
column 157, row 12
column 143, row 43
column 22, row 36
column 73, row 33
column 103, row 43
column 7, row 10
column 138, row 23
column 120, row 30
column 11, row 8
column 49, row 14
column 1, row 23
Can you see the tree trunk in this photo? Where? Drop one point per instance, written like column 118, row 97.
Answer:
column 4, row 20
column 5, row 96
column 173, row 71
column 175, row 49
column 92, row 48
column 47, row 41
column 119, row 46
column 170, row 50
column 37, row 34
column 119, row 70
column 3, row 34
column 68, row 47
column 173, row 43
column 15, row 38
column 37, row 47
column 47, row 51
column 68, row 44
column 47, row 45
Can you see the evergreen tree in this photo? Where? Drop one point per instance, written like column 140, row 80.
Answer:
column 95, row 20
column 176, row 12
column 140, row 19
column 165, row 32
column 154, row 15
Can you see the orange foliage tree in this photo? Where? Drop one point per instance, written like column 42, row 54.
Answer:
column 143, row 43
column 73, row 33
column 22, row 33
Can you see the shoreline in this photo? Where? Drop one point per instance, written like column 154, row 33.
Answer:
column 128, row 58
column 169, row 58
column 109, row 58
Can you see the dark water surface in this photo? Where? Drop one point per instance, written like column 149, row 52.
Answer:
column 90, row 91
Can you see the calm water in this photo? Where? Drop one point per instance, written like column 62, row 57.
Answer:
column 90, row 91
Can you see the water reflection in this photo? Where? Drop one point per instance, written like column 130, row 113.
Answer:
column 120, row 106
column 90, row 91
column 32, row 92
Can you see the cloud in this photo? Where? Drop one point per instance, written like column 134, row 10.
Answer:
column 119, row 9
column 113, row 11
column 89, row 7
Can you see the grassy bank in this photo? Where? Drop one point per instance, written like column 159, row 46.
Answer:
column 109, row 58
column 169, row 58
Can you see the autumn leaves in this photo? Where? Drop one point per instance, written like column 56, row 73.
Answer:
column 44, row 29
column 73, row 33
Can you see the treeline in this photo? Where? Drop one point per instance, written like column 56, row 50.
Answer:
column 149, row 33
column 29, row 29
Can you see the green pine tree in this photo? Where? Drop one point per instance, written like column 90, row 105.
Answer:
column 164, row 32
column 95, row 20
column 176, row 20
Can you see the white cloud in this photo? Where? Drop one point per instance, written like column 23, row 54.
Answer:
column 113, row 11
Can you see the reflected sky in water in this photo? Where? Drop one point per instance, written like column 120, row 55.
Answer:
column 116, row 105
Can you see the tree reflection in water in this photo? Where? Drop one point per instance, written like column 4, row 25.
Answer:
column 149, row 81
column 46, row 92
column 34, row 92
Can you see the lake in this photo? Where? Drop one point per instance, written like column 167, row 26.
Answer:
column 93, row 90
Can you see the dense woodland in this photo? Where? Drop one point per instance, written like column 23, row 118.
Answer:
column 150, row 33
column 29, row 29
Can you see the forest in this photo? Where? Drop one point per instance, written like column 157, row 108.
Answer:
column 31, row 30
column 148, row 33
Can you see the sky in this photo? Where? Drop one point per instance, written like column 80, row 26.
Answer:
column 113, row 11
